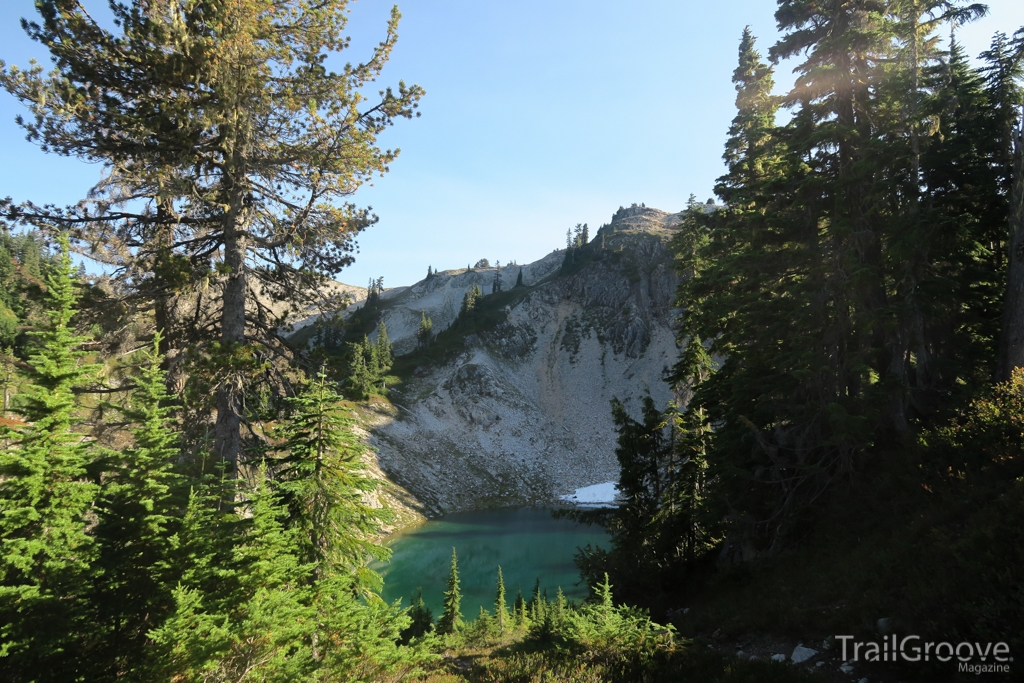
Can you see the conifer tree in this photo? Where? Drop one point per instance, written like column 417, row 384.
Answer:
column 451, row 616
column 1011, row 341
column 425, row 333
column 519, row 278
column 559, row 610
column 46, row 551
column 421, row 619
column 322, row 480
column 360, row 640
column 519, row 609
column 138, row 514
column 833, row 283
column 470, row 301
column 362, row 371
column 7, row 377
column 500, row 609
column 264, row 629
column 222, row 131
column 483, row 620
column 385, row 354
column 537, row 605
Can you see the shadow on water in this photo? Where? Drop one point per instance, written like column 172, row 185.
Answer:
column 528, row 543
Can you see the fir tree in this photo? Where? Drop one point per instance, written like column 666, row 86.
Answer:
column 369, row 363
column 451, row 616
column 323, row 483
column 500, row 609
column 359, row 640
column 265, row 629
column 559, row 609
column 138, row 514
column 537, row 605
column 45, row 495
column 7, row 377
column 422, row 621
column 519, row 610
column 196, row 631
column 496, row 287
column 470, row 301
column 519, row 278
column 385, row 354
column 425, row 333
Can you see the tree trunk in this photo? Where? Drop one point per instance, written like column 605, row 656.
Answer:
column 167, row 302
column 228, row 430
column 1011, row 337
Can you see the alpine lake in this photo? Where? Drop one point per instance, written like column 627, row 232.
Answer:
column 528, row 543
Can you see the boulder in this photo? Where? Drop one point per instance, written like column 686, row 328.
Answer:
column 802, row 654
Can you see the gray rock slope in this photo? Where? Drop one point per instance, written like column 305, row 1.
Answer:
column 522, row 415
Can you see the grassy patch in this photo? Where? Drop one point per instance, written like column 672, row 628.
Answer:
column 518, row 659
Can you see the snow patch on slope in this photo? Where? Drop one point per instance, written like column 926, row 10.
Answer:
column 595, row 495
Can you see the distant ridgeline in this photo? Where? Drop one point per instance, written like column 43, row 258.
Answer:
column 504, row 374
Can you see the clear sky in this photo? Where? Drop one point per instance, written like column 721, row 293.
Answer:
column 538, row 115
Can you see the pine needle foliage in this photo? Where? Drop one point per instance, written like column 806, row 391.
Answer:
column 451, row 616
column 500, row 608
column 46, row 551
column 264, row 631
column 139, row 516
column 322, row 479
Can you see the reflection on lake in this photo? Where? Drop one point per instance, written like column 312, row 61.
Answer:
column 527, row 542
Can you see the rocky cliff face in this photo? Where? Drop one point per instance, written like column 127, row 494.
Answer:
column 522, row 414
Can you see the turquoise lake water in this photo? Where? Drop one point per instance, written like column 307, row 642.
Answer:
column 527, row 542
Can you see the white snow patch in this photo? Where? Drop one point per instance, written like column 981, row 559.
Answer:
column 595, row 495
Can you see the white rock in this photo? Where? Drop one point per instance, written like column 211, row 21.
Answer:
column 779, row 658
column 802, row 654
column 863, row 680
column 820, row 664
column 846, row 668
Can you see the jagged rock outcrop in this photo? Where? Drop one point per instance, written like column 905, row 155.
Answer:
column 522, row 414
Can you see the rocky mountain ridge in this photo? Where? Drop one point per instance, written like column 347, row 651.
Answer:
column 521, row 414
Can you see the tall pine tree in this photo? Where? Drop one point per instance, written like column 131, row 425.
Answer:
column 451, row 616
column 138, row 519
column 322, row 479
column 46, row 493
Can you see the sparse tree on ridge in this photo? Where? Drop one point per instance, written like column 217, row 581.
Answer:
column 496, row 287
column 425, row 333
column 471, row 300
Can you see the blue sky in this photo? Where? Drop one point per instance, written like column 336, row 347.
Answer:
column 538, row 116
